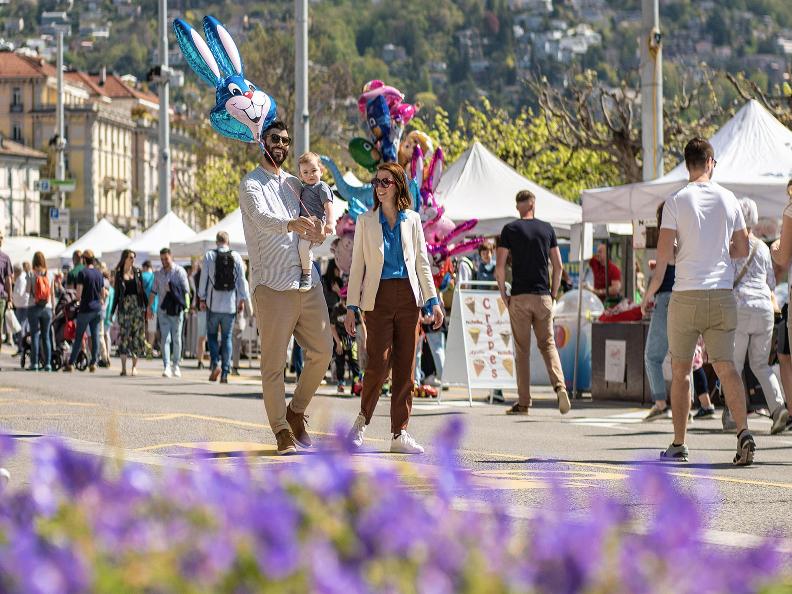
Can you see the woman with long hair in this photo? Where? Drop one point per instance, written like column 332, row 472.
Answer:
column 40, row 314
column 390, row 280
column 130, row 303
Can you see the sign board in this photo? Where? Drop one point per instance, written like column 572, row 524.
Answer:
column 615, row 360
column 639, row 234
column 42, row 185
column 59, row 223
column 63, row 185
column 480, row 352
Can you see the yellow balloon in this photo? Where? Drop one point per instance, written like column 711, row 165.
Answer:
column 407, row 146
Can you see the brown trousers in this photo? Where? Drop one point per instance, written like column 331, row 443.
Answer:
column 533, row 311
column 392, row 335
column 279, row 314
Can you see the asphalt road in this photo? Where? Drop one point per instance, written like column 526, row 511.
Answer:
column 595, row 447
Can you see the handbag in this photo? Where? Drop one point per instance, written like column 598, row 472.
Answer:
column 12, row 323
column 744, row 269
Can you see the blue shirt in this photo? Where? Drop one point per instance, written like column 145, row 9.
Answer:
column 394, row 266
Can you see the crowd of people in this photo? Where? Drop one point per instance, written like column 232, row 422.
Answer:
column 381, row 328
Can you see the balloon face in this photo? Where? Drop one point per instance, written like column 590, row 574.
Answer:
column 343, row 253
column 364, row 153
column 436, row 232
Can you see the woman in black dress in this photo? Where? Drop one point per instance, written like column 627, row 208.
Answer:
column 130, row 302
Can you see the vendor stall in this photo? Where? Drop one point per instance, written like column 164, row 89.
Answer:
column 101, row 238
column 169, row 229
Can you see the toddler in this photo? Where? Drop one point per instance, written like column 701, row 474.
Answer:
column 316, row 202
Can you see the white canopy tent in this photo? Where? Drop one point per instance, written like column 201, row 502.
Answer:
column 102, row 237
column 754, row 155
column 20, row 248
column 169, row 229
column 204, row 241
column 479, row 185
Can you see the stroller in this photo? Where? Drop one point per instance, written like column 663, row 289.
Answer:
column 62, row 334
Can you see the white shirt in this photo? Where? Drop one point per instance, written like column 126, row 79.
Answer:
column 23, row 287
column 704, row 215
column 753, row 290
column 268, row 202
column 216, row 300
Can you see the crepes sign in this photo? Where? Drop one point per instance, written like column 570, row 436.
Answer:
column 488, row 343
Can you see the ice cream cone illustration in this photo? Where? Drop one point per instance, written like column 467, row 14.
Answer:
column 479, row 365
column 474, row 334
column 506, row 338
column 470, row 303
column 501, row 306
column 508, row 365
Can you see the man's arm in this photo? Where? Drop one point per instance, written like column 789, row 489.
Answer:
column 781, row 250
column 252, row 203
column 204, row 281
column 615, row 288
column 557, row 264
column 500, row 271
column 241, row 284
column 739, row 247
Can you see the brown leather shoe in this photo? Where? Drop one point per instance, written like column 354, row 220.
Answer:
column 286, row 444
column 215, row 374
column 518, row 409
column 297, row 423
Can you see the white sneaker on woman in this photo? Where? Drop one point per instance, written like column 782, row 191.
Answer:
column 405, row 444
column 355, row 436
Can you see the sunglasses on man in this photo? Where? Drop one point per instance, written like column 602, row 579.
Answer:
column 276, row 139
column 383, row 183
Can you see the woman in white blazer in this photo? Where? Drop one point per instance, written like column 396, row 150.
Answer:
column 390, row 280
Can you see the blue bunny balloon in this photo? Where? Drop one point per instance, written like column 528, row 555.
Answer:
column 241, row 110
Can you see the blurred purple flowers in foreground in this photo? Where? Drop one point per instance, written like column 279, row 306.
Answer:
column 329, row 525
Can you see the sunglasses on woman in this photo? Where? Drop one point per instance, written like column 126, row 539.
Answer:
column 383, row 183
column 278, row 139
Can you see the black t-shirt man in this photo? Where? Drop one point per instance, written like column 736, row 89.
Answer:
column 530, row 242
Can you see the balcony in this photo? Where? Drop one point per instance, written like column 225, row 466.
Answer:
column 17, row 108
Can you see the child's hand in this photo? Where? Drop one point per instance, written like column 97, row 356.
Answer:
column 328, row 229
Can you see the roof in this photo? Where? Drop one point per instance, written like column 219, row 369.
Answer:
column 14, row 149
column 116, row 88
column 13, row 65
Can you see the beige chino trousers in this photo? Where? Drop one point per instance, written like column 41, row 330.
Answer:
column 279, row 314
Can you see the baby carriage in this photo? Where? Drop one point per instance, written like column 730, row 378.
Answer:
column 62, row 332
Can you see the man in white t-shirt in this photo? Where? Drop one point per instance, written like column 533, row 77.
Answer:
column 706, row 222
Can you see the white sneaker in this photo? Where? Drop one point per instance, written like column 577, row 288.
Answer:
column 405, row 444
column 176, row 371
column 432, row 381
column 355, row 436
column 167, row 372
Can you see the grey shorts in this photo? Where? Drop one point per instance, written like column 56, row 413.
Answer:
column 711, row 314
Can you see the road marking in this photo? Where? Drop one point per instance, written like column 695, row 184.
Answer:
column 17, row 401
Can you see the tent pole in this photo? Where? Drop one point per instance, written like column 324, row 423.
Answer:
column 575, row 393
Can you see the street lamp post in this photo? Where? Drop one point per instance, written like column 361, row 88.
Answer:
column 301, row 116
column 60, row 163
column 164, row 163
column 651, row 91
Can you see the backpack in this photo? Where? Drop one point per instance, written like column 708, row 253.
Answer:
column 225, row 271
column 41, row 289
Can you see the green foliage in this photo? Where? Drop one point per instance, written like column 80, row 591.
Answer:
column 524, row 142
column 217, row 185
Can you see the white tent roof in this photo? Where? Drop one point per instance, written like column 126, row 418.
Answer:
column 102, row 237
column 480, row 185
column 754, row 154
column 201, row 242
column 169, row 229
column 20, row 248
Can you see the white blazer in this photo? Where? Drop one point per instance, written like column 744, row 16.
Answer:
column 368, row 258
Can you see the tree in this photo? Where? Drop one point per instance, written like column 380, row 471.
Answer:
column 779, row 104
column 524, row 142
column 218, row 186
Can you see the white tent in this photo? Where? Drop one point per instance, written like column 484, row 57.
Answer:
column 169, row 229
column 102, row 237
column 201, row 242
column 480, row 185
column 754, row 155
column 20, row 248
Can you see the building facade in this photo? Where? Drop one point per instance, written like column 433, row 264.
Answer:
column 20, row 201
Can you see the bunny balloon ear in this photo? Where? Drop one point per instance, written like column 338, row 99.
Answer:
column 196, row 52
column 223, row 47
column 436, row 169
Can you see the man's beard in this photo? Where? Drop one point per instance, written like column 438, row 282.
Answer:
column 275, row 160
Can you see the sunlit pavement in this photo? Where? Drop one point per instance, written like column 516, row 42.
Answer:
column 160, row 421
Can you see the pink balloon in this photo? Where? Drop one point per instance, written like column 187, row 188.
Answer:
column 436, row 232
column 343, row 252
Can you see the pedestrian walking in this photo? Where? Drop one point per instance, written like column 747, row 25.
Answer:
column 345, row 348
column 172, row 288
column 106, row 317
column 6, row 287
column 200, row 315
column 707, row 223
column 222, row 293
column 91, row 296
column 390, row 280
column 147, row 276
column 77, row 266
column 532, row 244
column 241, row 322
column 754, row 282
column 270, row 202
column 129, row 306
column 781, row 253
column 21, row 299
column 40, row 314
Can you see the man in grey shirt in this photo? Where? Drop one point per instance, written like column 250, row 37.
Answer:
column 169, row 281
column 270, row 202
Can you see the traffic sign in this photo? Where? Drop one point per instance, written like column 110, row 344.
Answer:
column 42, row 185
column 56, row 185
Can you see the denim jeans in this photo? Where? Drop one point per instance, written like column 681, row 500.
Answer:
column 224, row 323
column 170, row 331
column 657, row 346
column 436, row 342
column 40, row 319
column 91, row 321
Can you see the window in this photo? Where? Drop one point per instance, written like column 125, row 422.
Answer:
column 16, row 133
column 16, row 99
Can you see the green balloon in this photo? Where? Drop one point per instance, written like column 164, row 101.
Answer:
column 364, row 153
